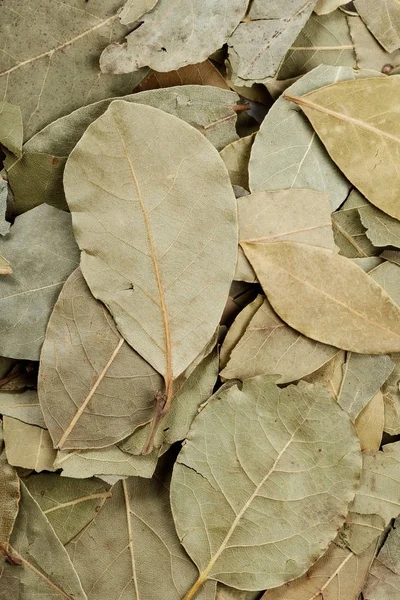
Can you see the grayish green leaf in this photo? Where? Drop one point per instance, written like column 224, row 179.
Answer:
column 236, row 157
column 134, row 9
column 23, row 406
column 369, row 53
column 381, row 229
column 383, row 23
column 387, row 275
column 391, row 398
column 237, row 329
column 11, row 127
column 227, row 593
column 36, row 452
column 42, row 251
column 360, row 531
column 383, row 582
column 348, row 230
column 324, row 7
column 4, row 225
column 267, row 506
column 9, row 495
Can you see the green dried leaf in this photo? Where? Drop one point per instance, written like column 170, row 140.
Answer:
column 166, row 291
column 266, row 507
column 37, row 176
column 37, row 450
column 369, row 53
column 94, row 389
column 383, row 582
column 4, row 225
column 324, row 7
column 354, row 313
column 172, row 36
column 387, row 275
column 227, row 593
column 11, row 127
column 381, row 229
column 236, row 157
column 134, row 9
column 43, row 252
column 348, row 230
column 23, row 406
column 360, row 531
column 69, row 504
column 363, row 113
column 9, row 496
column 49, row 64
column 384, row 23
column 391, row 398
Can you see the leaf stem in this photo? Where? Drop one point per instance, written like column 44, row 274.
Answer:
column 163, row 403
column 195, row 587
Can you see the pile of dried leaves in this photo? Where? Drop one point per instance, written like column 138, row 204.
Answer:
column 200, row 306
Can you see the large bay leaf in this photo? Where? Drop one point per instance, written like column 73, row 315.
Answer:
column 383, row 582
column 364, row 113
column 324, row 40
column 36, row 452
column 338, row 575
column 37, row 176
column 383, row 23
column 204, row 73
column 287, row 153
column 236, row 157
column 370, row 423
column 69, row 504
column 302, row 281
column 266, row 505
column 167, row 289
column 9, row 496
column 43, row 252
column 94, row 389
column 381, row 229
column 363, row 376
column 23, row 406
column 174, row 35
column 348, row 230
column 49, row 64
column 369, row 53
column 269, row 346
column 131, row 551
column 43, row 568
column 258, row 45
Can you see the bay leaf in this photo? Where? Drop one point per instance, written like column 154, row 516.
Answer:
column 23, row 406
column 258, row 44
column 360, row 111
column 94, row 389
column 168, row 290
column 225, row 592
column 360, row 531
column 172, row 36
column 370, row 423
column 269, row 346
column 324, row 7
column 36, row 452
column 354, row 313
column 323, row 40
column 134, row 9
column 49, row 61
column 384, row 23
column 203, row 73
column 265, row 510
column 81, row 464
column 9, row 496
column 339, row 575
column 116, row 553
column 5, row 267
column 348, row 230
column 11, row 127
column 383, row 582
column 236, row 156
column 45, row 570
column 363, row 376
column 330, row 374
column 287, row 153
column 4, row 225
column 387, row 275
column 37, row 176
column 381, row 229
column 391, row 398
column 69, row 504
column 369, row 53
column 392, row 256
column 43, row 252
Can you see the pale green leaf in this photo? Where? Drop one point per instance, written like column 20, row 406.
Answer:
column 324, row 7
column 348, row 230
column 131, row 550
column 167, row 288
column 94, row 389
column 42, row 251
column 357, row 122
column 383, row 582
column 174, row 35
column 382, row 230
column 23, row 406
column 258, row 45
column 11, row 127
column 354, row 312
column 37, row 176
column 49, row 60
column 391, row 255
column 269, row 346
column 384, row 23
column 9, row 496
column 236, row 157
column 391, row 397
column 69, row 504
column 387, row 275
column 360, row 531
column 45, row 570
column 324, row 40
column 370, row 423
column 266, row 505
column 134, row 9
column 369, row 53
column 36, row 452
column 227, row 593
column 238, row 329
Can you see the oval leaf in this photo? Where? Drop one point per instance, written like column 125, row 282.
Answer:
column 253, row 500
column 326, row 297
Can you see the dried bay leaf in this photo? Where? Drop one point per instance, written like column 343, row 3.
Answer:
column 363, row 376
column 23, row 406
column 37, row 450
column 354, row 313
column 383, row 582
column 266, row 508
column 361, row 112
column 369, row 53
column 5, row 267
column 392, row 256
column 324, row 7
column 69, row 504
column 134, row 9
column 360, row 531
column 116, row 553
column 391, row 398
column 324, row 40
column 11, row 127
column 236, row 157
column 9, row 496
column 269, row 346
column 166, row 291
column 349, row 231
column 381, row 229
column 37, row 176
column 287, row 153
column 330, row 374
column 370, row 423
column 4, row 225
column 227, row 593
column 384, row 23
column 43, row 252
column 172, row 36
column 49, row 63
column 258, row 45
column 204, row 73
column 94, row 389
column 45, row 570
column 387, row 275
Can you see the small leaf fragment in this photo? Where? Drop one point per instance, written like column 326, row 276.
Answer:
column 37, row 450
